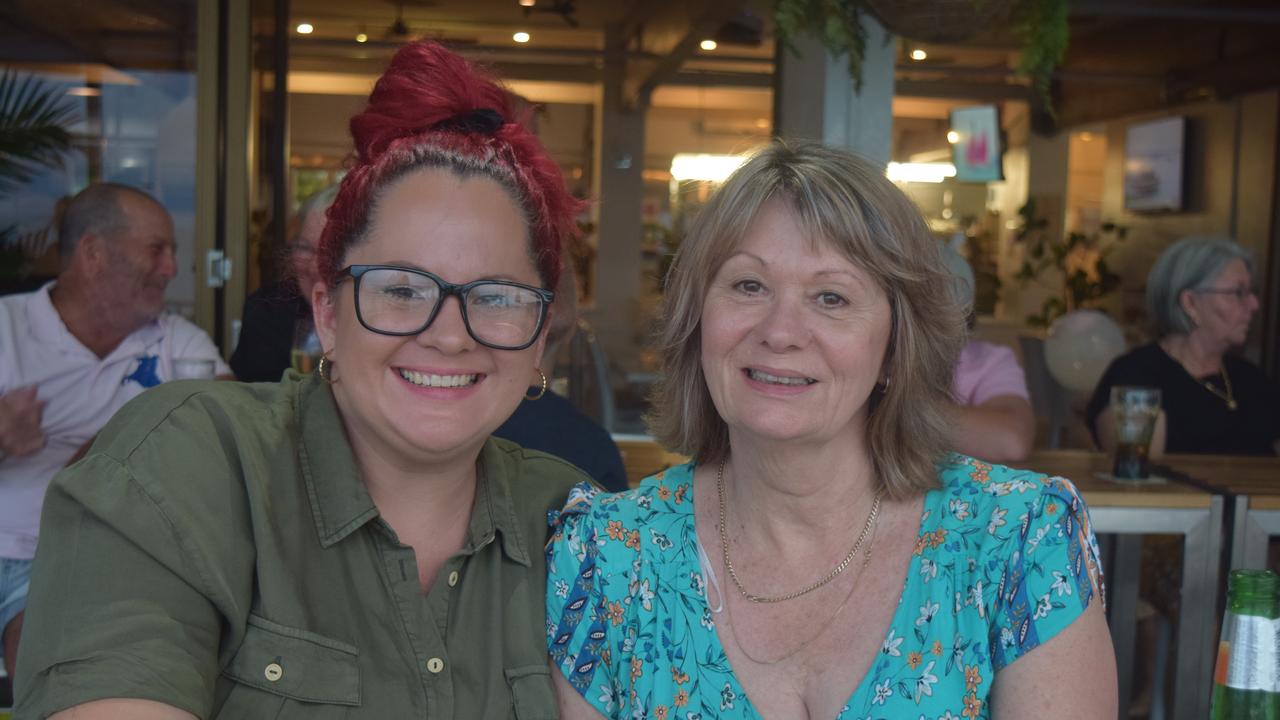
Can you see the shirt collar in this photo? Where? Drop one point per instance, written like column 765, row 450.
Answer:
column 47, row 326
column 340, row 502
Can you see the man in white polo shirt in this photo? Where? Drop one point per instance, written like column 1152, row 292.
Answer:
column 73, row 352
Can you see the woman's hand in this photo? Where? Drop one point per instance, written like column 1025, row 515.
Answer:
column 1106, row 424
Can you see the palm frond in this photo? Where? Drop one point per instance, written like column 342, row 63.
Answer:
column 33, row 120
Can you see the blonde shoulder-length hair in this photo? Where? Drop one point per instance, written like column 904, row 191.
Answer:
column 846, row 202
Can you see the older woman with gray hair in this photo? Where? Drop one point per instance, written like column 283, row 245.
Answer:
column 824, row 555
column 1201, row 298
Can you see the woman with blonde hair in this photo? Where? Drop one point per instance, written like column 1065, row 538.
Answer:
column 824, row 555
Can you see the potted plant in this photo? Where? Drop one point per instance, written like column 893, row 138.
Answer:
column 1040, row 24
column 33, row 135
column 1079, row 260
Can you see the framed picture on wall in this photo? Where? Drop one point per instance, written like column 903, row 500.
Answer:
column 976, row 148
column 1153, row 165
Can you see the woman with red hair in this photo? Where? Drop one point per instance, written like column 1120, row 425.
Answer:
column 351, row 543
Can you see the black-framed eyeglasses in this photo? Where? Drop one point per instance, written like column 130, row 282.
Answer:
column 1241, row 293
column 394, row 300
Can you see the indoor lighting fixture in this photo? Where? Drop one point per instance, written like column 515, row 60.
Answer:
column 716, row 168
column 305, row 28
column 919, row 54
column 707, row 44
column 953, row 137
column 521, row 37
column 527, row 3
column 362, row 37
column 920, row 172
column 84, row 91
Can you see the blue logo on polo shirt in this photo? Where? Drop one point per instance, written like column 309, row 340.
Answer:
column 145, row 374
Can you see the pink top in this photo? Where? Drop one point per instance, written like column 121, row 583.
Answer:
column 985, row 371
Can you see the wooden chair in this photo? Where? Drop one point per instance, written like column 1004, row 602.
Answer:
column 642, row 457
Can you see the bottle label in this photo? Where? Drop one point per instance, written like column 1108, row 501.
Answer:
column 1251, row 658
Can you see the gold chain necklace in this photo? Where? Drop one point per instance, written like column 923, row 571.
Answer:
column 822, row 629
column 1228, row 397
column 728, row 564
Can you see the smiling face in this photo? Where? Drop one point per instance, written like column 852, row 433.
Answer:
column 1222, row 317
column 439, row 394
column 793, row 336
column 138, row 261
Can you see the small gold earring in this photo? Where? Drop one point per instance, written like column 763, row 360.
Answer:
column 324, row 369
column 542, row 390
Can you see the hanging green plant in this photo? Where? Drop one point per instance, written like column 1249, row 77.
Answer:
column 838, row 24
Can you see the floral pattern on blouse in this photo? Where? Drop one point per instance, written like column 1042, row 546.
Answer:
column 1004, row 561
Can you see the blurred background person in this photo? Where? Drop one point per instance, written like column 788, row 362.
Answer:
column 277, row 316
column 824, row 555
column 351, row 542
column 1201, row 299
column 73, row 352
column 548, row 422
column 992, row 417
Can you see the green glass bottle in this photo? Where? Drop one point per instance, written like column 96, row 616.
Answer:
column 1246, row 680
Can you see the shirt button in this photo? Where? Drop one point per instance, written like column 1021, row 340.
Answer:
column 453, row 578
column 435, row 665
column 274, row 672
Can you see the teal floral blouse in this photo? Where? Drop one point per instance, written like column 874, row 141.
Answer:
column 1004, row 561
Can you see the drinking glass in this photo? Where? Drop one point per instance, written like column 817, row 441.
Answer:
column 305, row 352
column 193, row 369
column 1134, row 410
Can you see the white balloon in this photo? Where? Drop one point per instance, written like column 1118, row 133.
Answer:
column 1079, row 348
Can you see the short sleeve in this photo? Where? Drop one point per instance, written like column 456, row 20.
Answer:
column 116, row 606
column 578, row 619
column 1051, row 575
column 987, row 371
column 189, row 341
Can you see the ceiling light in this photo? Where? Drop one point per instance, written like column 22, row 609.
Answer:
column 919, row 54
column 84, row 91
column 1086, row 136
column 305, row 28
column 362, row 37
column 708, row 44
column 953, row 137
column 527, row 3
column 920, row 172
column 688, row 166
column 521, row 37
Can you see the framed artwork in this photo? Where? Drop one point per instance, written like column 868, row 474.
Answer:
column 977, row 150
column 1153, row 165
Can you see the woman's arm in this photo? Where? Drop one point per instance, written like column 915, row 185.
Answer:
column 1072, row 675
column 123, row 709
column 1000, row 430
column 572, row 706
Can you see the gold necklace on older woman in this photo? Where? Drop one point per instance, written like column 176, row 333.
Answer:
column 1228, row 397
column 753, row 597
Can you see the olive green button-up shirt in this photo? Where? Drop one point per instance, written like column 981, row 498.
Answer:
column 217, row 551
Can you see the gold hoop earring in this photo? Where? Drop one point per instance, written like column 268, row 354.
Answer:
column 324, row 369
column 542, row 390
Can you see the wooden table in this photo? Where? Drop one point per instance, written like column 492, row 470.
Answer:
column 1129, row 511
column 1252, row 487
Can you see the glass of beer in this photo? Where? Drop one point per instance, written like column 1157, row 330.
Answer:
column 1134, row 410
column 305, row 353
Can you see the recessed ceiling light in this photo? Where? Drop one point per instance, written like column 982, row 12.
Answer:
column 521, row 37
column 305, row 28
column 919, row 54
column 953, row 137
column 527, row 3
column 362, row 37
column 708, row 44
column 84, row 91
